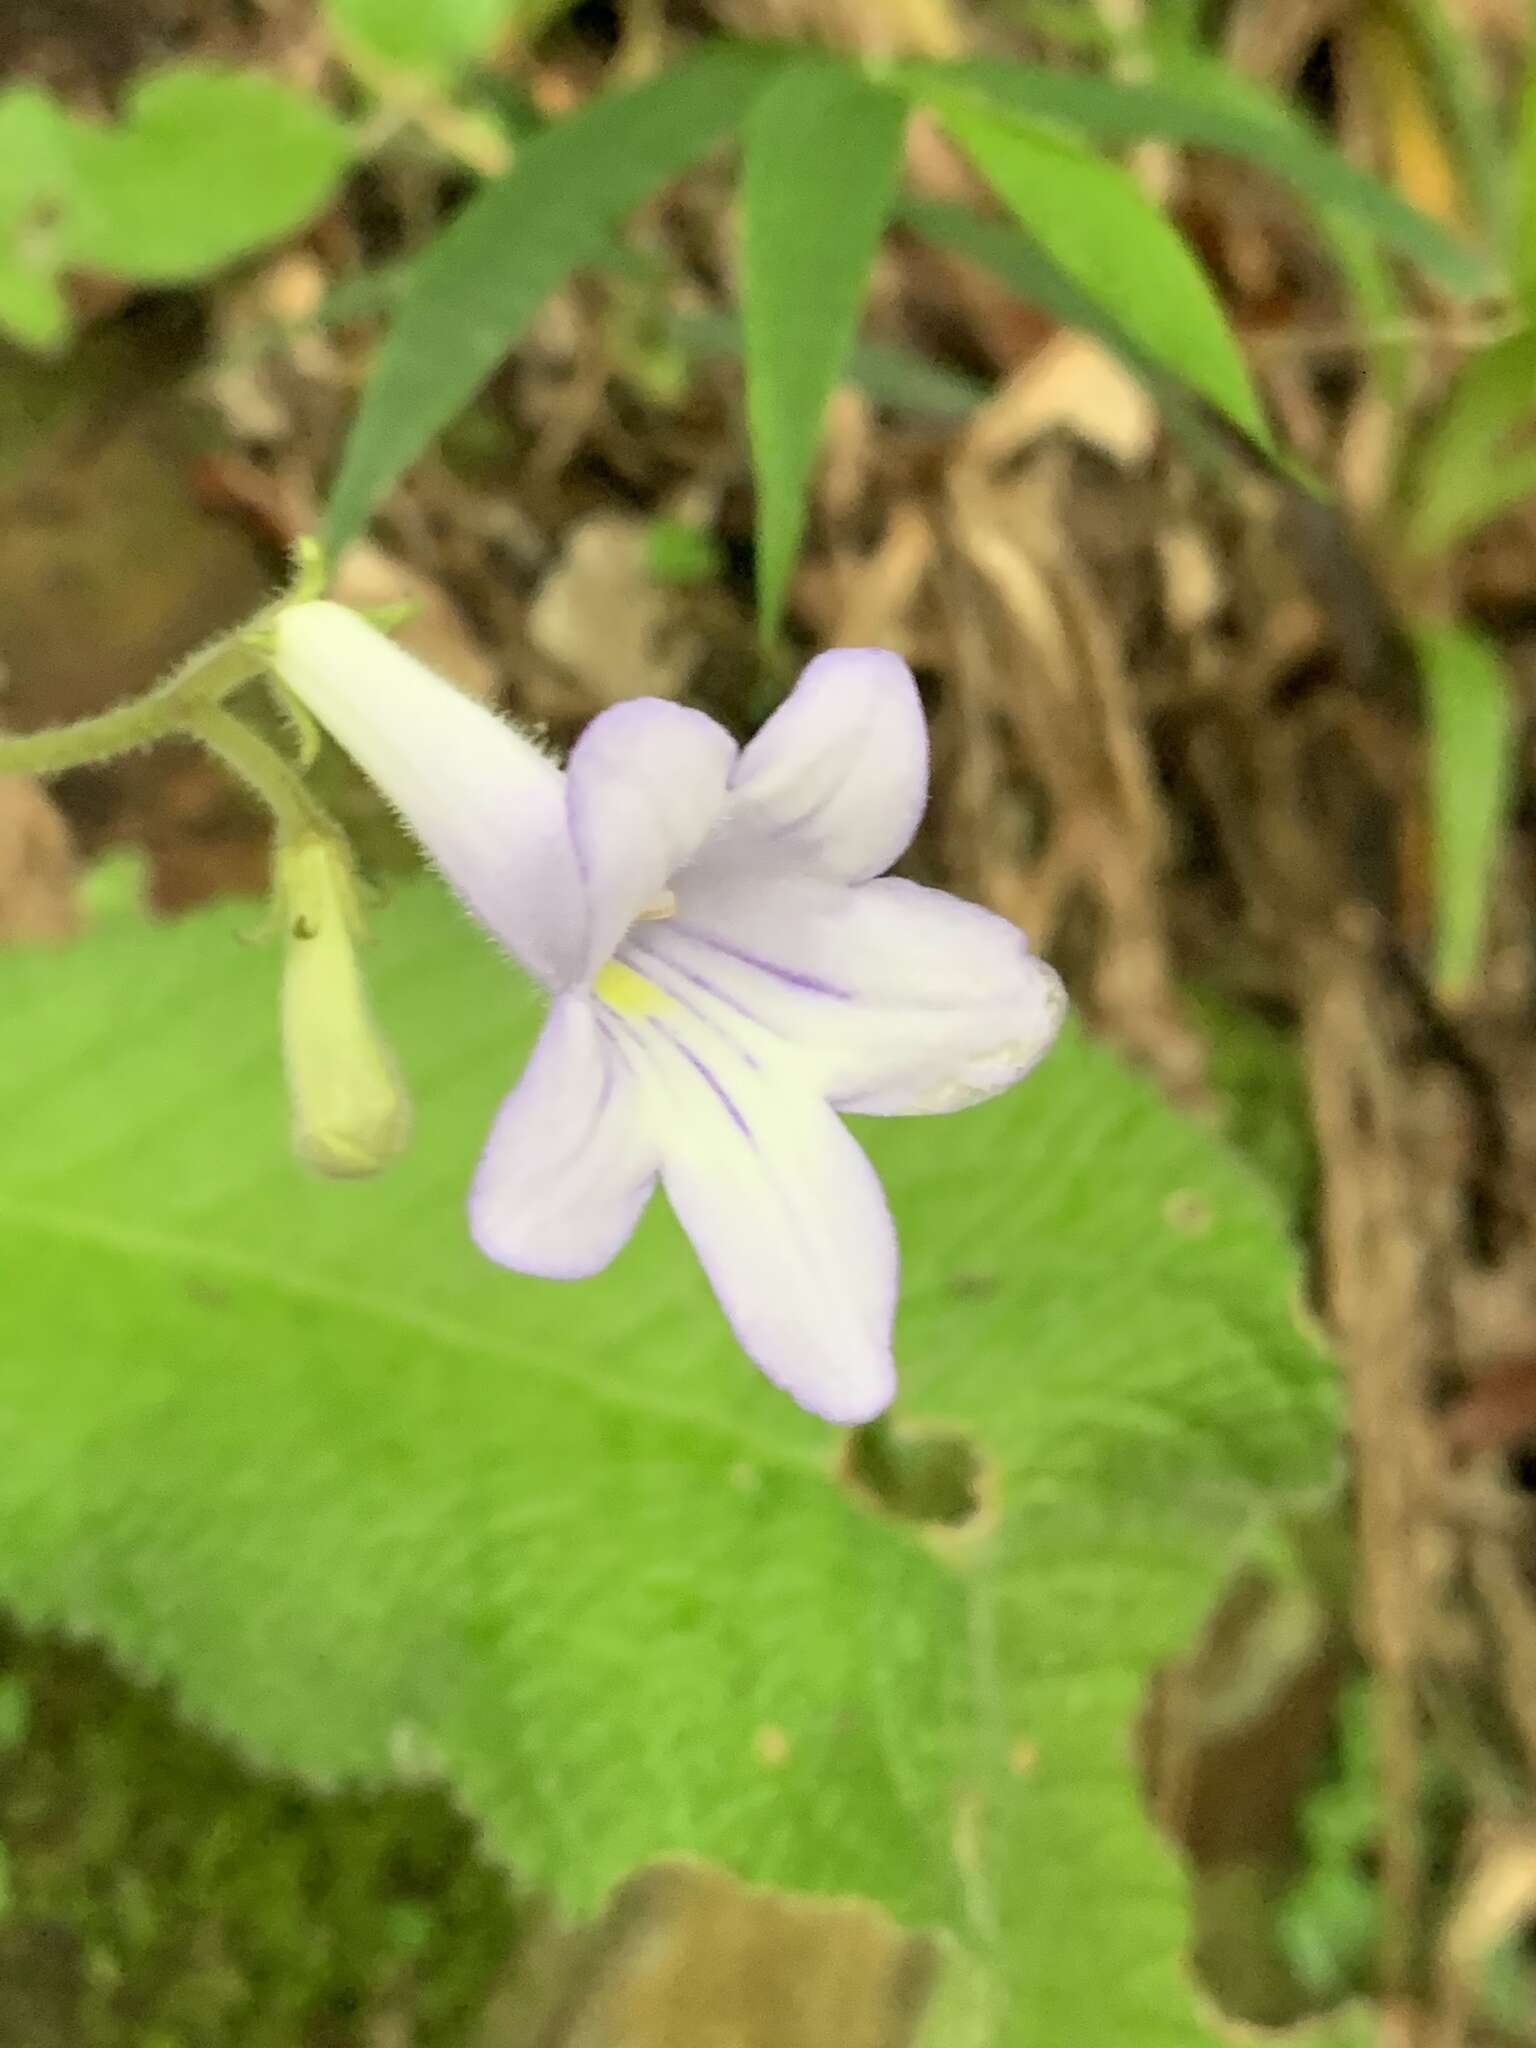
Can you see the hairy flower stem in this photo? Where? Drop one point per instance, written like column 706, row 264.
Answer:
column 183, row 703
column 172, row 706
column 263, row 770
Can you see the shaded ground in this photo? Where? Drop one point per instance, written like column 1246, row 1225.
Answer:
column 155, row 1891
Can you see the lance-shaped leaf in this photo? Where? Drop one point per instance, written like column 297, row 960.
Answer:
column 476, row 288
column 1471, row 768
column 1101, row 230
column 822, row 154
column 1196, row 100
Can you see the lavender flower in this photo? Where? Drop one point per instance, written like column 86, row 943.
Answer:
column 727, row 974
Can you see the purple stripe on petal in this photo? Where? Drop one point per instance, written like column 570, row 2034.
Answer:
column 662, row 965
column 660, row 971
column 714, row 1081
column 814, row 983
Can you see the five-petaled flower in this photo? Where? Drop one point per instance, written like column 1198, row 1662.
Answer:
column 728, row 971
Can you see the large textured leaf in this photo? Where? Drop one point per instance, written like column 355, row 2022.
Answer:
column 481, row 282
column 1099, row 228
column 375, row 1504
column 822, row 153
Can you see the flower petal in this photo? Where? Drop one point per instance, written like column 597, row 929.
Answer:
column 838, row 777
column 645, row 785
column 895, row 1000
column 568, row 1166
column 784, row 1210
column 485, row 802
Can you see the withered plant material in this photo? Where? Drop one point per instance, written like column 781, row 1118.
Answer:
column 38, row 872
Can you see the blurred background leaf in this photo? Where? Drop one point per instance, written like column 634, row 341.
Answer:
column 203, row 165
column 1471, row 764
column 474, row 291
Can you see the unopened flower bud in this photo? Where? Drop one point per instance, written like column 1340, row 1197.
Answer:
column 351, row 1115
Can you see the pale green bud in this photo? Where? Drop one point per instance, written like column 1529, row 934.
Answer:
column 351, row 1115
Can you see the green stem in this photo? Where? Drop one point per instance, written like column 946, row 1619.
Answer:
column 196, row 687
column 261, row 768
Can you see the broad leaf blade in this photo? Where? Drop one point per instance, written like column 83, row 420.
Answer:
column 822, row 155
column 475, row 290
column 204, row 165
column 1471, row 761
column 1096, row 225
column 374, row 1504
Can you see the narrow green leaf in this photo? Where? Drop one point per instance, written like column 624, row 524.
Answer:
column 480, row 283
column 1461, row 94
column 373, row 1503
column 1197, row 100
column 1523, row 199
column 1097, row 226
column 204, row 165
column 1470, row 463
column 822, row 152
column 1508, row 481
column 1020, row 262
column 1471, row 761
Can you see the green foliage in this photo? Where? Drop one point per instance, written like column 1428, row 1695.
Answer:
column 1331, row 1918
column 1022, row 264
column 1096, row 225
column 1101, row 247
column 1523, row 200
column 822, row 156
column 1475, row 457
column 374, row 1504
column 202, row 166
column 437, row 38
column 36, row 190
column 1460, row 92
column 1472, row 740
column 682, row 553
column 477, row 287
column 1195, row 99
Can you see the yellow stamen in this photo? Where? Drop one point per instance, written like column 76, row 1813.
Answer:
column 622, row 989
column 665, row 905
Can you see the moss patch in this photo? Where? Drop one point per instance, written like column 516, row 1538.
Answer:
column 156, row 1891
